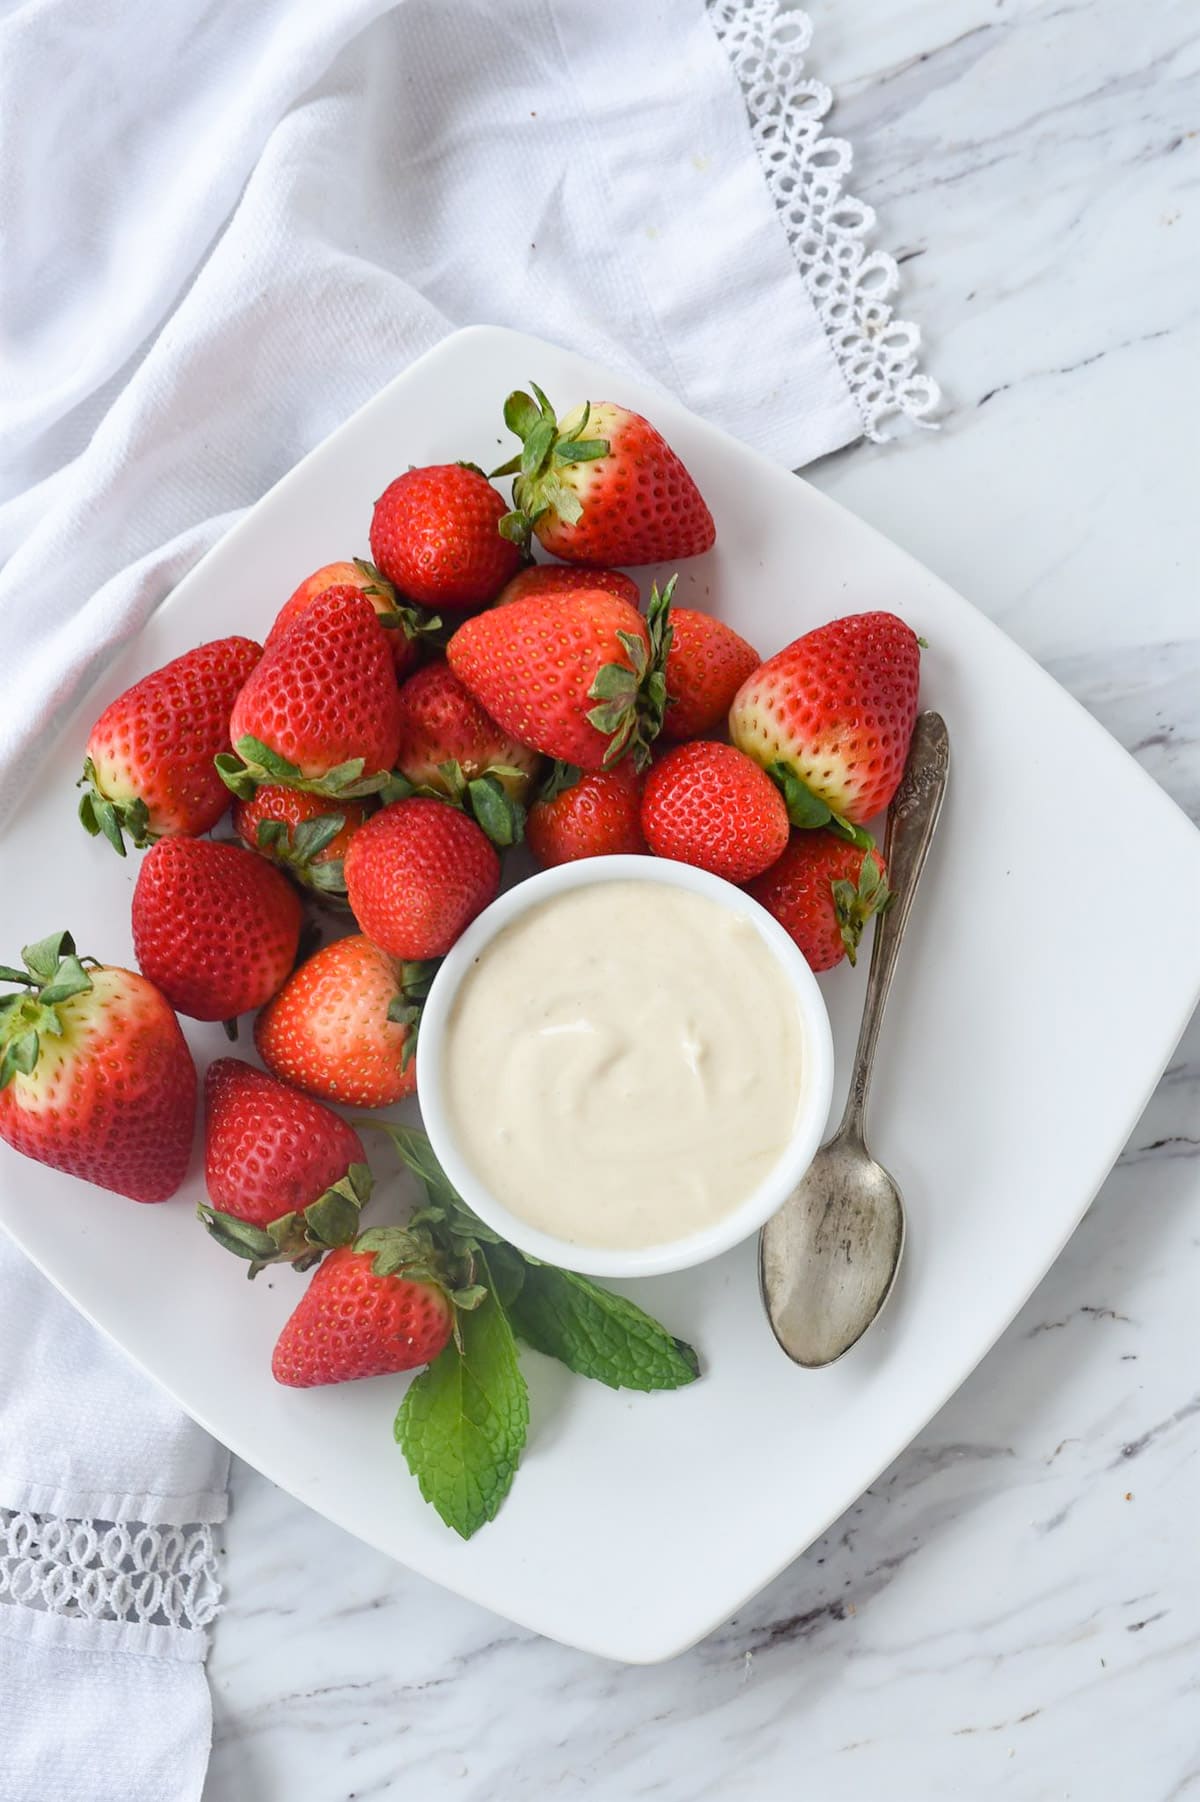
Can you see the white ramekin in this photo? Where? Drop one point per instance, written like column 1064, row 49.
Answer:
column 811, row 1115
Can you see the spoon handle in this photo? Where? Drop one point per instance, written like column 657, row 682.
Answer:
column 913, row 816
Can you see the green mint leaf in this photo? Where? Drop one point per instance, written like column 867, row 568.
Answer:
column 463, row 1422
column 598, row 1334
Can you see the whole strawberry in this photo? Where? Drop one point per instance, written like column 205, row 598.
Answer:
column 95, row 1076
column 832, row 716
column 215, row 927
column 307, row 834
column 417, row 875
column 706, row 665
column 286, row 1176
column 709, row 805
column 587, row 816
column 405, row 626
column 823, row 891
column 344, row 1025
column 435, row 534
column 372, row 1309
column 441, row 723
column 600, row 486
column 573, row 675
column 322, row 710
column 149, row 763
column 555, row 578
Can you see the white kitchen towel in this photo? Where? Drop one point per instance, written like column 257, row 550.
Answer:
column 225, row 227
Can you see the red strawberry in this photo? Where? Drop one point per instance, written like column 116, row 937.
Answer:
column 545, row 578
column 601, row 486
column 574, row 675
column 95, row 1076
column 823, row 891
column 594, row 816
column 417, row 875
column 342, row 1025
column 305, row 833
column 286, row 1176
column 435, row 534
column 706, row 665
column 215, row 927
column 322, row 710
column 442, row 723
column 832, row 716
column 709, row 805
column 404, row 625
column 367, row 1312
column 150, row 754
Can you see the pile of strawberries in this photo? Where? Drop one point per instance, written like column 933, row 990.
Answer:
column 408, row 721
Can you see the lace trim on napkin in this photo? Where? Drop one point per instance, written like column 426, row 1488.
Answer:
column 120, row 1571
column 850, row 289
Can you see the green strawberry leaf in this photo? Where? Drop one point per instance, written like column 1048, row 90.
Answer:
column 20, row 1056
column 854, row 835
column 463, row 1422
column 805, row 810
column 599, row 1334
column 502, row 818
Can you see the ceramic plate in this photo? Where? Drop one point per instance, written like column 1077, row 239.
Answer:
column 1032, row 1015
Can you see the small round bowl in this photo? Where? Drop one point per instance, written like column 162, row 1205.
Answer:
column 811, row 1113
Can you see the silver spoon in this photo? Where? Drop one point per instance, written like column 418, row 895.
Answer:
column 827, row 1261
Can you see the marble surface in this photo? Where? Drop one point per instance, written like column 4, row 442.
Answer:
column 1013, row 1609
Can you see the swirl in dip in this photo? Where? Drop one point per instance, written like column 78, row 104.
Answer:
column 623, row 1064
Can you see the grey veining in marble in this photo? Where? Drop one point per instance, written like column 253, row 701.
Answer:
column 1014, row 1609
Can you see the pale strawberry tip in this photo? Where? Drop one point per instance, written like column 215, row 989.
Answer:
column 53, row 973
column 544, row 446
column 99, row 814
column 808, row 812
column 299, row 1238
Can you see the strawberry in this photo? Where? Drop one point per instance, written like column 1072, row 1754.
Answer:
column 149, row 761
column 95, row 1076
column 214, row 927
column 707, row 662
column 600, row 486
column 543, row 578
column 831, row 717
column 709, row 805
column 823, row 891
column 449, row 746
column 309, row 836
column 417, row 875
column 286, row 1176
column 405, row 626
column 343, row 1025
column 587, row 816
column 576, row 675
column 372, row 1309
column 435, row 534
column 322, row 710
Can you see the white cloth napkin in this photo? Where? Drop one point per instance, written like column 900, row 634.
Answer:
column 225, row 227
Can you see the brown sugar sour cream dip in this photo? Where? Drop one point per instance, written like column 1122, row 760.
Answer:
column 625, row 1065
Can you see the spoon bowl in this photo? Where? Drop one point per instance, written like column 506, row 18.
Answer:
column 827, row 1261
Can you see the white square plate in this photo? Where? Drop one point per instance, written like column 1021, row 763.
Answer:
column 1045, row 981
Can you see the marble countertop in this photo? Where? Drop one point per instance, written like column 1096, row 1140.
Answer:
column 1011, row 1611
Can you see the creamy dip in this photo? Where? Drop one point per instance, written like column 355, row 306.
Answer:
column 623, row 1063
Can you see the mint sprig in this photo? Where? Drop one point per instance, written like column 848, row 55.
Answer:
column 599, row 1334
column 463, row 1422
